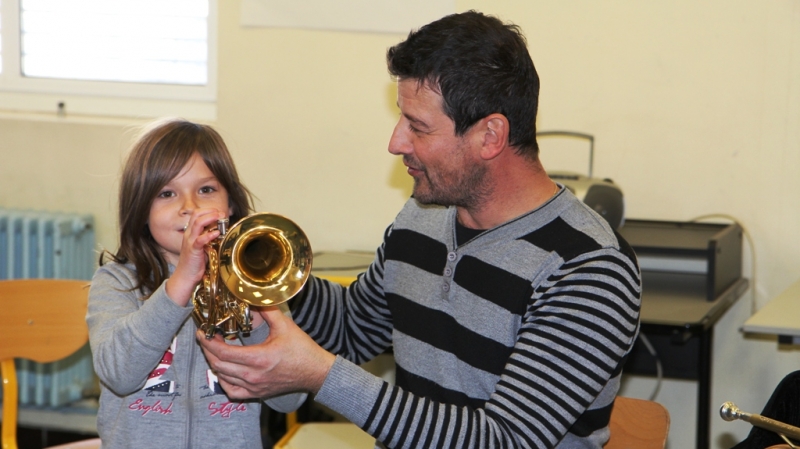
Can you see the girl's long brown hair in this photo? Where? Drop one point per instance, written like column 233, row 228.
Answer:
column 155, row 159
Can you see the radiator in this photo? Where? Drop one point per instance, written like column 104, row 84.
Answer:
column 59, row 245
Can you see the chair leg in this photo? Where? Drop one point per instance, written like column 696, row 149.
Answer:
column 10, row 399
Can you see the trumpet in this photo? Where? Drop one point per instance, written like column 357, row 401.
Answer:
column 262, row 260
column 729, row 411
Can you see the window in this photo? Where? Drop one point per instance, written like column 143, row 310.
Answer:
column 140, row 58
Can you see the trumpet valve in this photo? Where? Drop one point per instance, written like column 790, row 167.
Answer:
column 222, row 226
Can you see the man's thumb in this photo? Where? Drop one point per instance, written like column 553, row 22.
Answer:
column 273, row 316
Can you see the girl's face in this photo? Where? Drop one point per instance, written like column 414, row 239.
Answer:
column 195, row 187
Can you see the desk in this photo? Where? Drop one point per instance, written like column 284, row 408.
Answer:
column 691, row 275
column 341, row 267
column 779, row 317
column 679, row 322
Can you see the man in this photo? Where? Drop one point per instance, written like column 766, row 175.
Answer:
column 510, row 305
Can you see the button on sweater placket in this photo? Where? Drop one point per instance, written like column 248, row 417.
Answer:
column 448, row 271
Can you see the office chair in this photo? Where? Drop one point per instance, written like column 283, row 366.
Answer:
column 638, row 424
column 43, row 320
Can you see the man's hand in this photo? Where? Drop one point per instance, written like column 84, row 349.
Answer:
column 287, row 361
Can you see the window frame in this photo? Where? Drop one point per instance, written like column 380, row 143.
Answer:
column 63, row 97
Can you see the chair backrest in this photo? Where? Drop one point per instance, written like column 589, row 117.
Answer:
column 42, row 320
column 638, row 424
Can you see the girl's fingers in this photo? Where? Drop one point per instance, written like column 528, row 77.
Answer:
column 201, row 228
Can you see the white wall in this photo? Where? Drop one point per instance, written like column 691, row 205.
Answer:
column 695, row 108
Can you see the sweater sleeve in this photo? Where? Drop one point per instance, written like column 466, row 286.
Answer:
column 128, row 336
column 353, row 322
column 579, row 324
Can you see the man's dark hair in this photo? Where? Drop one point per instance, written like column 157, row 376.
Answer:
column 480, row 66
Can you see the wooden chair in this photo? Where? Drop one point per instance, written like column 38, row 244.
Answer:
column 638, row 424
column 42, row 320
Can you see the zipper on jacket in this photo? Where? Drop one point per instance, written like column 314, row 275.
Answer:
column 189, row 392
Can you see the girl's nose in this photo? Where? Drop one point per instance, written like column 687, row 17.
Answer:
column 188, row 206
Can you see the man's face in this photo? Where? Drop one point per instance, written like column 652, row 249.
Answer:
column 445, row 167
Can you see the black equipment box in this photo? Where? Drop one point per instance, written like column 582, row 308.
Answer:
column 689, row 250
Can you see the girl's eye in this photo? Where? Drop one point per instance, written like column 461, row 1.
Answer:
column 207, row 189
column 165, row 194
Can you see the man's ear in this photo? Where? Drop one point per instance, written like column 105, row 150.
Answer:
column 495, row 135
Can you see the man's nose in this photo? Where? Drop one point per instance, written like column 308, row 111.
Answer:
column 399, row 142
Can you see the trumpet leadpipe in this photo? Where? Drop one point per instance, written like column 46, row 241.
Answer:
column 729, row 412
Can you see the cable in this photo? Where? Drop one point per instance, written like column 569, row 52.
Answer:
column 659, row 370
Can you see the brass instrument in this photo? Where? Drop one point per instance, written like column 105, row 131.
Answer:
column 729, row 411
column 262, row 260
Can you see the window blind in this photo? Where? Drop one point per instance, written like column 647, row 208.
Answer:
column 144, row 41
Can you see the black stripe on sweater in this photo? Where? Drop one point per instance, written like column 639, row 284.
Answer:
column 494, row 284
column 431, row 390
column 571, row 294
column 374, row 411
column 591, row 421
column 390, row 435
column 417, row 250
column 625, row 248
column 413, row 411
column 389, row 404
column 420, row 413
column 560, row 237
column 434, row 408
column 443, row 332
column 602, row 272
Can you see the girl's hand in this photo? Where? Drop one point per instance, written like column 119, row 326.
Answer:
column 192, row 263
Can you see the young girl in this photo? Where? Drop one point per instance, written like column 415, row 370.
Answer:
column 157, row 389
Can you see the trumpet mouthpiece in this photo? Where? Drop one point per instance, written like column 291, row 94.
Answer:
column 729, row 411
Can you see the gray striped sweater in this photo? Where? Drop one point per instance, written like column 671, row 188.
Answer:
column 515, row 338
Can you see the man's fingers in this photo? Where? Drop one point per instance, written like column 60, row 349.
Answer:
column 220, row 353
column 274, row 318
column 226, row 364
column 235, row 391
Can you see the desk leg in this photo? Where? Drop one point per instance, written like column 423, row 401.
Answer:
column 704, row 388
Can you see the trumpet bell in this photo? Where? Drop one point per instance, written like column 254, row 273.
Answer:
column 264, row 259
